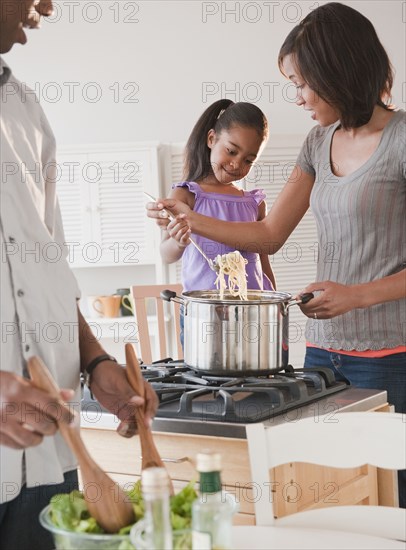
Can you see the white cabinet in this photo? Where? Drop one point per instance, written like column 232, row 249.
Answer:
column 100, row 191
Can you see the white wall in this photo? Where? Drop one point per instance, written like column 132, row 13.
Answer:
column 173, row 58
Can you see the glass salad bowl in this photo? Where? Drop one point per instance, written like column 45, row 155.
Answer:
column 74, row 540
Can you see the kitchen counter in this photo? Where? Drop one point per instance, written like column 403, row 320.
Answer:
column 351, row 399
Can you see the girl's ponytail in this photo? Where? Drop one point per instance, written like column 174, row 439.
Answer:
column 197, row 153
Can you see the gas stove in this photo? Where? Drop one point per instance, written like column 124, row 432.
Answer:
column 184, row 393
column 187, row 394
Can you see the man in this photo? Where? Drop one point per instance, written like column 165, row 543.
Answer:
column 39, row 314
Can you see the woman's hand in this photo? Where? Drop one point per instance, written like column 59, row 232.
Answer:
column 331, row 299
column 110, row 386
column 334, row 299
column 28, row 414
column 155, row 210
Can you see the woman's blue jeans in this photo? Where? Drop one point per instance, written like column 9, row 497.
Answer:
column 385, row 373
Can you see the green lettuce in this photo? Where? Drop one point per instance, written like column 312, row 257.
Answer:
column 69, row 511
column 181, row 507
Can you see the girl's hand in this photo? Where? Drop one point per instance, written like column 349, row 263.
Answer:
column 331, row 299
column 180, row 231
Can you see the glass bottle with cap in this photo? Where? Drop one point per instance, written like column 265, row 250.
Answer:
column 211, row 513
column 156, row 494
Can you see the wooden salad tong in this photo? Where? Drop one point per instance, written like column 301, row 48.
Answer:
column 112, row 509
column 150, row 455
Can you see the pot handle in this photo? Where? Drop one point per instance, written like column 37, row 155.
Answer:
column 304, row 299
column 170, row 296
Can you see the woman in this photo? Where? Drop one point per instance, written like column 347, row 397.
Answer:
column 351, row 171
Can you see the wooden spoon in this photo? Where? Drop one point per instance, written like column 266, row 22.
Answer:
column 150, row 454
column 111, row 509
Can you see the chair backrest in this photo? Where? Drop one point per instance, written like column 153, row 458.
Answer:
column 168, row 328
column 343, row 440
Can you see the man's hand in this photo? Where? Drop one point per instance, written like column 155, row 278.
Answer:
column 27, row 413
column 111, row 388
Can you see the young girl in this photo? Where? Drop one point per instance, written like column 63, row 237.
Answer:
column 221, row 149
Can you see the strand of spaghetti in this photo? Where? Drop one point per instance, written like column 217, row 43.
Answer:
column 232, row 265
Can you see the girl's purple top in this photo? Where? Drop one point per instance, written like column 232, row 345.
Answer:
column 196, row 273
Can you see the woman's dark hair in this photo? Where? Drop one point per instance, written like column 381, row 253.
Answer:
column 221, row 115
column 338, row 54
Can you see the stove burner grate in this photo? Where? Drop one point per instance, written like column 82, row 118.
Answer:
column 186, row 394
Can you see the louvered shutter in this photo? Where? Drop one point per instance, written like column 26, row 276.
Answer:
column 175, row 175
column 119, row 219
column 74, row 201
column 104, row 207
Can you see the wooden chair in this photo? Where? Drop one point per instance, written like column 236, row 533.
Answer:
column 141, row 294
column 343, row 440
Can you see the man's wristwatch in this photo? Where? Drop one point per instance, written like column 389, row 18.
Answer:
column 88, row 371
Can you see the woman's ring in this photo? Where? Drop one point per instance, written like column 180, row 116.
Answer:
column 315, row 315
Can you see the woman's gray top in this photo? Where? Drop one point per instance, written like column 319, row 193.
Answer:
column 361, row 225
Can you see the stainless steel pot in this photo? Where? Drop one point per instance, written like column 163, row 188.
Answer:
column 233, row 336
